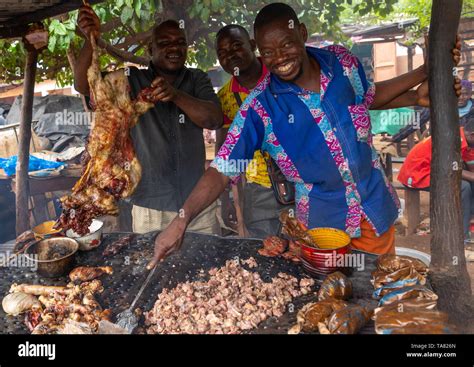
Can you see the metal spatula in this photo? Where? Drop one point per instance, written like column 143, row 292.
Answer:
column 127, row 319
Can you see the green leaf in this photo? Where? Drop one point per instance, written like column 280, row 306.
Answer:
column 127, row 13
column 138, row 6
column 70, row 26
column 151, row 5
column 205, row 14
column 61, row 29
column 215, row 4
column 52, row 43
column 53, row 25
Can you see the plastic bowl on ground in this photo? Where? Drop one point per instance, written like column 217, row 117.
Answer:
column 89, row 241
column 423, row 256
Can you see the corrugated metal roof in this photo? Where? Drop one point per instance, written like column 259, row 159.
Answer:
column 15, row 15
column 10, row 9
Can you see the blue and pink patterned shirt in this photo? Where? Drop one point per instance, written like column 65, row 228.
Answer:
column 321, row 141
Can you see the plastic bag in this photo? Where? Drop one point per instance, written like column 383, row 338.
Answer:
column 35, row 164
column 388, row 320
column 391, row 287
column 336, row 285
column 408, row 293
column 381, row 278
column 349, row 320
column 314, row 313
column 390, row 263
column 410, row 303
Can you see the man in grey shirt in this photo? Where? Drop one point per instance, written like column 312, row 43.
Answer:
column 168, row 138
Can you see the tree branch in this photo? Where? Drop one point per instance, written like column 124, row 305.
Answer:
column 110, row 25
column 131, row 40
column 122, row 55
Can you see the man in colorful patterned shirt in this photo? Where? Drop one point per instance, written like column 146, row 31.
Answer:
column 311, row 113
column 236, row 54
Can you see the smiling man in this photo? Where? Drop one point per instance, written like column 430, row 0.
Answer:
column 311, row 113
column 169, row 138
column 236, row 53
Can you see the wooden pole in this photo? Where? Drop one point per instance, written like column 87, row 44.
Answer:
column 22, row 188
column 449, row 274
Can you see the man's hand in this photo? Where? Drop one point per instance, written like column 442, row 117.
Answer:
column 88, row 22
column 169, row 241
column 163, row 90
column 422, row 92
column 456, row 51
column 422, row 95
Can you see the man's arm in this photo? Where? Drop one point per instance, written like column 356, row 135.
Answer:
column 89, row 25
column 388, row 90
column 404, row 100
column 249, row 132
column 418, row 97
column 204, row 113
column 395, row 92
column 468, row 175
column 83, row 63
column 207, row 190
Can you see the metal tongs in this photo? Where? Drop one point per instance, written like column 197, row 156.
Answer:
column 127, row 319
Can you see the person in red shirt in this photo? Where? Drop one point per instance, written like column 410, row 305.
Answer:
column 415, row 171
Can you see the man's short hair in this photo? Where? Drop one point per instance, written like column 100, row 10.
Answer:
column 166, row 23
column 226, row 29
column 272, row 12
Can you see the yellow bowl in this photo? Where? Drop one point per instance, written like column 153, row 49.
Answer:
column 329, row 238
column 45, row 230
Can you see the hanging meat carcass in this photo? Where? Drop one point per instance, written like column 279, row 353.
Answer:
column 111, row 170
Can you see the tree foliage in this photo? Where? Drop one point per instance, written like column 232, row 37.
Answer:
column 127, row 24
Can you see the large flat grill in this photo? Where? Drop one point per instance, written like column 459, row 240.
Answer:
column 198, row 252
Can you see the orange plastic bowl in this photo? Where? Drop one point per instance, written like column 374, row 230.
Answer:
column 45, row 230
column 331, row 242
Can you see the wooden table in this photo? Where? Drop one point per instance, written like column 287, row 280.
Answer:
column 38, row 189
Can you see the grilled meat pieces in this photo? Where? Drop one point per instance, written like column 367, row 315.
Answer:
column 88, row 273
column 276, row 246
column 233, row 300
column 115, row 247
column 273, row 246
column 59, row 305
